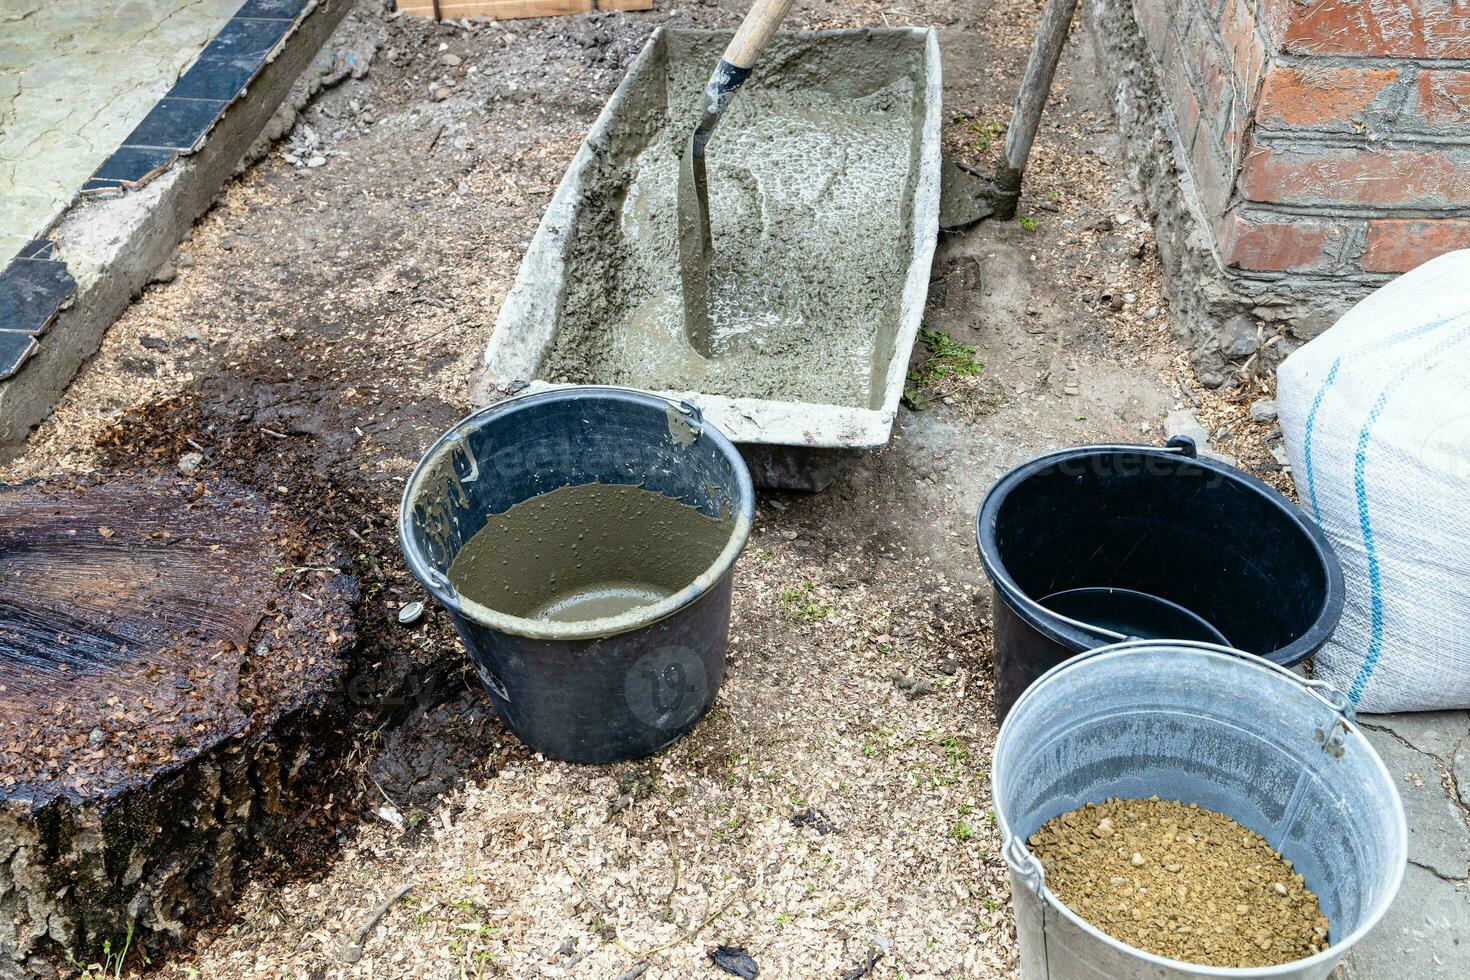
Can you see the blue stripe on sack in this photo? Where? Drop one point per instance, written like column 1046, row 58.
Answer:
column 1377, row 348
column 1365, row 525
column 1307, row 448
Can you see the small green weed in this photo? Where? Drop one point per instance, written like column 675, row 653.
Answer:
column 801, row 607
column 1028, row 223
column 962, row 831
column 947, row 358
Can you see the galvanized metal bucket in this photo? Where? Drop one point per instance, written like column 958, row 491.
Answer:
column 1204, row 724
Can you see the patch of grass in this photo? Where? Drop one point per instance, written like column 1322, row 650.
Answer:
column 801, row 607
column 962, row 831
column 1028, row 223
column 980, row 135
column 112, row 963
column 947, row 358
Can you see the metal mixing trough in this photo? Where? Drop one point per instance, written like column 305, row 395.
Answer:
column 591, row 301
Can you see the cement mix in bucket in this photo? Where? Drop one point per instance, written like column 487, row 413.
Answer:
column 811, row 191
column 587, row 552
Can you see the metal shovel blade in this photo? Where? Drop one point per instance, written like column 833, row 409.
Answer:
column 696, row 250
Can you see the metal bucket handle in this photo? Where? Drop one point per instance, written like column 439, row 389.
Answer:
column 1026, row 865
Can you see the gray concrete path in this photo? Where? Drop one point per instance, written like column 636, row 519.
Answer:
column 1427, row 932
column 75, row 78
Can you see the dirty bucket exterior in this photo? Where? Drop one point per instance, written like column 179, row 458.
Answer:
column 602, row 690
column 1195, row 533
column 1201, row 724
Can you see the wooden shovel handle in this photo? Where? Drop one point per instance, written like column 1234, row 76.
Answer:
column 758, row 27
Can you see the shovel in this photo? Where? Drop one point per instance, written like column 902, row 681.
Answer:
column 695, row 248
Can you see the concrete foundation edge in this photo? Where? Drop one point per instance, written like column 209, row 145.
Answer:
column 1230, row 323
column 112, row 246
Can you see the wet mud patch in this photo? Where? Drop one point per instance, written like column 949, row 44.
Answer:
column 412, row 719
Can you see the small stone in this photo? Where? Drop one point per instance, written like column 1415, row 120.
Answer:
column 1278, row 453
column 948, row 399
column 450, row 59
column 189, row 463
column 439, row 94
column 1070, row 390
column 462, row 188
column 1151, row 312
column 1263, row 410
column 411, row 613
column 790, row 535
column 97, row 736
column 1181, row 422
column 164, row 273
column 1104, row 828
column 1279, row 888
column 1130, row 298
column 1122, row 219
column 1173, row 869
column 316, row 160
column 185, row 260
column 1136, row 860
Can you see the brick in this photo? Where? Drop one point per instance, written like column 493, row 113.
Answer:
column 1379, row 28
column 1442, row 99
column 1321, row 98
column 1279, row 243
column 1357, row 177
column 1212, row 172
column 1246, row 49
column 1155, row 18
column 1275, row 17
column 1204, row 52
column 1400, row 244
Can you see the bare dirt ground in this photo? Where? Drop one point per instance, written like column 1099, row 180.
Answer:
column 832, row 814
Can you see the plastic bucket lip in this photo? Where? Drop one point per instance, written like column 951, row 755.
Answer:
column 1332, row 953
column 439, row 586
column 1080, row 636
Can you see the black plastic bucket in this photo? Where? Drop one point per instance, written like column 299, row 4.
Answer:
column 1089, row 546
column 599, row 690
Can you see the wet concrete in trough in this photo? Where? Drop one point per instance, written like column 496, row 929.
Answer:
column 811, row 197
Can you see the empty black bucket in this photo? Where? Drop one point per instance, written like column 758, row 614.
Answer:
column 1088, row 546
column 593, row 690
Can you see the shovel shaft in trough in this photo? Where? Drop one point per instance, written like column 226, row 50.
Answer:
column 695, row 242
column 1046, row 51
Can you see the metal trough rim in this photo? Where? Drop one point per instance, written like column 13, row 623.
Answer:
column 510, row 359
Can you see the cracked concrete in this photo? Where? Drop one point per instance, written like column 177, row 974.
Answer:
column 67, row 99
column 1429, row 756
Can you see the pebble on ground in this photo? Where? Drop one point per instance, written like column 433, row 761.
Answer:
column 1180, row 881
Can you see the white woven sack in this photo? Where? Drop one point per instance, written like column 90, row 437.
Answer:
column 1376, row 415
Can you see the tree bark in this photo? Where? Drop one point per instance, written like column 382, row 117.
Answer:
column 169, row 655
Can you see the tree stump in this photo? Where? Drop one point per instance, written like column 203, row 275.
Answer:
column 169, row 655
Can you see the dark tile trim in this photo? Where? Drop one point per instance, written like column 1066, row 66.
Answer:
column 33, row 289
column 31, row 293
column 179, row 122
column 15, row 350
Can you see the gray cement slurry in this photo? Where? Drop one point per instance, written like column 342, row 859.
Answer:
column 587, row 552
column 811, row 193
column 75, row 78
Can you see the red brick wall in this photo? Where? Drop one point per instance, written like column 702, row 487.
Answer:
column 1321, row 136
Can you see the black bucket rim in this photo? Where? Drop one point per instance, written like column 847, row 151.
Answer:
column 440, row 588
column 1059, row 629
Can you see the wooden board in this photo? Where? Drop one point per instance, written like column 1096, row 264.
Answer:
column 494, row 9
column 161, row 642
column 513, row 9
